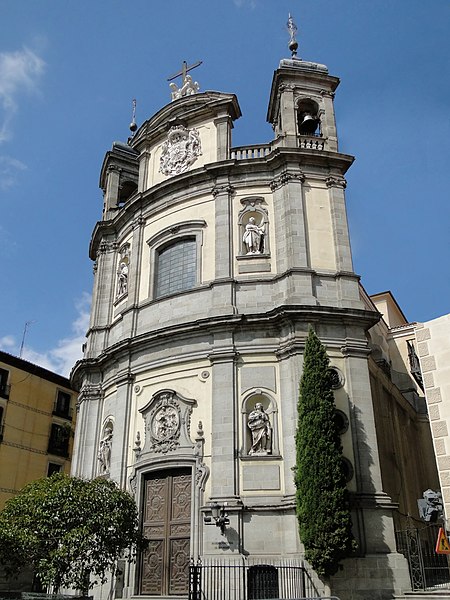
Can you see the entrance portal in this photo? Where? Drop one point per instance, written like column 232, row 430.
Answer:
column 166, row 524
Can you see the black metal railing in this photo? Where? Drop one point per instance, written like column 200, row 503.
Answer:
column 427, row 569
column 216, row 580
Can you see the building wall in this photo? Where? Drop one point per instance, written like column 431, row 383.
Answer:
column 434, row 353
column 29, row 409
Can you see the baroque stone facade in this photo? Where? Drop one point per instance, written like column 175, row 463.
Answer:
column 194, row 351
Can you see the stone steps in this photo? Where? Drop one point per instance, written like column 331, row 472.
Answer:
column 438, row 594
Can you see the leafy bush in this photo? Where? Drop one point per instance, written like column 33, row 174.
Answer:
column 71, row 531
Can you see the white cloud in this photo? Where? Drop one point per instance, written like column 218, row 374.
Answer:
column 19, row 71
column 9, row 171
column 241, row 3
column 7, row 342
column 62, row 358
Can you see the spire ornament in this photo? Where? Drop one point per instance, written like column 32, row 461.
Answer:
column 133, row 125
column 292, row 28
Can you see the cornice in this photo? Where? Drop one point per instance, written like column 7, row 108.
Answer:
column 277, row 317
column 276, row 169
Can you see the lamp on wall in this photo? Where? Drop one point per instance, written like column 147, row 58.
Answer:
column 220, row 516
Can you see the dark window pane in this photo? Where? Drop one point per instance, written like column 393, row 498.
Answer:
column 176, row 267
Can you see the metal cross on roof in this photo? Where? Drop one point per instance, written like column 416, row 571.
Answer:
column 184, row 70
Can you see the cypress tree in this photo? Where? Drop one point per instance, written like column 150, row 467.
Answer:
column 323, row 510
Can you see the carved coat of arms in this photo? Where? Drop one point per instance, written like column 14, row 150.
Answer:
column 180, row 151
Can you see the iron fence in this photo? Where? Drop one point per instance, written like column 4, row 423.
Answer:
column 216, row 580
column 427, row 569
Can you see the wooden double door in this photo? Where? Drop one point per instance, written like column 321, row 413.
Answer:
column 167, row 527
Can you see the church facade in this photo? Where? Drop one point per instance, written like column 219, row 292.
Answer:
column 211, row 264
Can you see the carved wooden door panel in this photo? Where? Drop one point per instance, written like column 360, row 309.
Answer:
column 166, row 524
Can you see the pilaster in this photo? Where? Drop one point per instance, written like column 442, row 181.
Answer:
column 90, row 407
column 291, row 233
column 121, row 442
column 224, row 424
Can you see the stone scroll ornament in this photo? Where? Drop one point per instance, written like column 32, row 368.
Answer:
column 180, row 151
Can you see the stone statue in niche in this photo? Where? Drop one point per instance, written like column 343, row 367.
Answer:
column 254, row 236
column 104, row 451
column 122, row 282
column 180, row 151
column 259, row 425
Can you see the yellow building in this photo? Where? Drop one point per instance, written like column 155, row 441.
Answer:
column 37, row 413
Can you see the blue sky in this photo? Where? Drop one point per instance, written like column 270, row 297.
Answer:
column 69, row 71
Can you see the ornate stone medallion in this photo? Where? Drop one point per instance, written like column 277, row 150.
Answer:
column 165, row 423
column 180, row 151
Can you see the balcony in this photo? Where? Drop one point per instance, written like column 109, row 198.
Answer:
column 249, row 152
column 311, row 142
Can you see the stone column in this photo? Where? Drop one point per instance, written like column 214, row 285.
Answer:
column 288, row 115
column 122, row 415
column 223, row 289
column 292, row 256
column 87, row 432
column 134, row 278
column 223, row 125
column 103, row 298
column 329, row 122
column 112, row 191
column 224, row 428
column 144, row 161
column 336, row 187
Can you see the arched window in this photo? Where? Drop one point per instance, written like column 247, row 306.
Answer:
column 308, row 117
column 176, row 267
column 175, row 258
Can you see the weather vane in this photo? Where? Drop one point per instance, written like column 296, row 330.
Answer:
column 292, row 28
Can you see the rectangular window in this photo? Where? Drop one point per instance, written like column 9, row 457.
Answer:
column 62, row 405
column 176, row 268
column 53, row 468
column 58, row 443
column 4, row 387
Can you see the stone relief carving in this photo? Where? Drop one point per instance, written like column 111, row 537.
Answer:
column 188, row 88
column 201, row 470
column 180, row 151
column 104, row 449
column 259, row 424
column 167, row 423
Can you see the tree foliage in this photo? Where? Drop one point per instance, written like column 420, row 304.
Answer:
column 71, row 531
column 322, row 499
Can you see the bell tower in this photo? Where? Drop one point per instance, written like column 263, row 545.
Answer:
column 301, row 107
